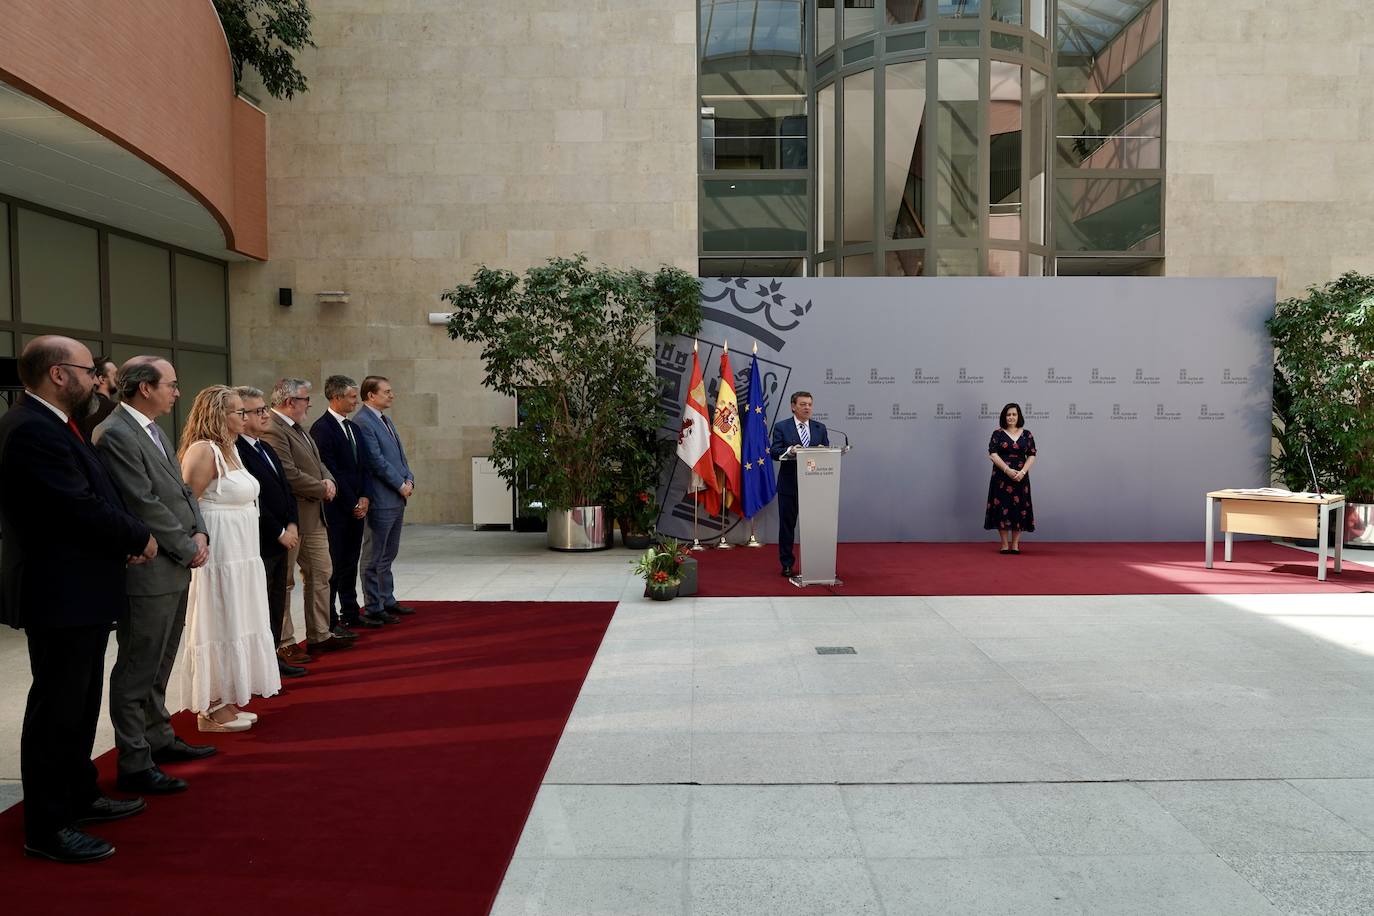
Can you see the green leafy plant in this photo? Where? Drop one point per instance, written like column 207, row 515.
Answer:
column 263, row 34
column 1324, row 386
column 661, row 565
column 574, row 343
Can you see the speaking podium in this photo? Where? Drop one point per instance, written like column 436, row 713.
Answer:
column 818, row 512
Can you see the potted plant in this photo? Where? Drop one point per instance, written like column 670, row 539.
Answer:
column 574, row 343
column 661, row 568
column 1324, row 395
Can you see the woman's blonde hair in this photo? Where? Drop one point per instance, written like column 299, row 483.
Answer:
column 208, row 419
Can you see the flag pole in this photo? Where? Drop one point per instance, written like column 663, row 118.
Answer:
column 753, row 538
column 696, row 543
column 723, row 544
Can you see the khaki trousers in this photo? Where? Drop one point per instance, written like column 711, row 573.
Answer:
column 313, row 558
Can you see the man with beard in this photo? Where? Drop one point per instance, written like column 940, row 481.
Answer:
column 102, row 402
column 63, row 591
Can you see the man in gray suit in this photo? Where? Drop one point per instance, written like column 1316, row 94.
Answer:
column 144, row 467
column 392, row 483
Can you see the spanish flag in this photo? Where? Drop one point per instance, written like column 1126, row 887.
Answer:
column 725, row 436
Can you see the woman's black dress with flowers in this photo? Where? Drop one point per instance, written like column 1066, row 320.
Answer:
column 1009, row 501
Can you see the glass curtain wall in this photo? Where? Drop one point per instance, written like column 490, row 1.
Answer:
column 1108, row 136
column 120, row 295
column 931, row 137
column 754, row 165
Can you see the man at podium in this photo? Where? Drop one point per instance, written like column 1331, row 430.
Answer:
column 797, row 431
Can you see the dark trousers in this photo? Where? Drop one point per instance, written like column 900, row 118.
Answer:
column 277, row 569
column 787, row 527
column 345, row 547
column 68, row 667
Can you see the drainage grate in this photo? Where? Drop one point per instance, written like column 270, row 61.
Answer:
column 835, row 650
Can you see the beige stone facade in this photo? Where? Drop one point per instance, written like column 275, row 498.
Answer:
column 1270, row 152
column 440, row 135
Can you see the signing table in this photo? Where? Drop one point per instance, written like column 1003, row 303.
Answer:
column 1278, row 514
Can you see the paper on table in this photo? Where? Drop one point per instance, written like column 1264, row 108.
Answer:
column 1266, row 491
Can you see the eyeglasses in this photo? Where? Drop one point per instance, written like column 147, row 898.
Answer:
column 92, row 371
column 256, row 411
column 243, row 414
column 306, row 400
column 173, row 384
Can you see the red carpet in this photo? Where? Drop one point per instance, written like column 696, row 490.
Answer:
column 396, row 778
column 1043, row 568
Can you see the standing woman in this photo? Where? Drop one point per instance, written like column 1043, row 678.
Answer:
column 227, row 654
column 1012, row 452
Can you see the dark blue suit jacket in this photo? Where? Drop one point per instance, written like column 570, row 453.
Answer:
column 350, row 476
column 784, row 437
column 66, row 534
column 276, row 502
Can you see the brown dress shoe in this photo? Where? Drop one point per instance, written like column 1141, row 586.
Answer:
column 293, row 655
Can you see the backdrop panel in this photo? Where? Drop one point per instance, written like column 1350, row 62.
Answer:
column 1142, row 393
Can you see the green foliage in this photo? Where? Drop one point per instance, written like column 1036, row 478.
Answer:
column 574, row 343
column 263, row 34
column 1324, row 386
column 661, row 565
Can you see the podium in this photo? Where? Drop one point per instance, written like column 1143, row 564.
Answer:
column 818, row 512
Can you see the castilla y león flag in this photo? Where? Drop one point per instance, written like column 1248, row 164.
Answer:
column 725, row 436
column 694, row 443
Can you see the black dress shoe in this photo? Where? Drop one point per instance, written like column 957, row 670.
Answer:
column 399, row 610
column 180, row 752
column 111, row 809
column 788, row 571
column 350, row 619
column 342, row 632
column 329, row 645
column 286, row 670
column 68, row 845
column 367, row 620
column 383, row 617
column 151, row 781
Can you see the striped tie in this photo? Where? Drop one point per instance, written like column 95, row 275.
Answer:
column 805, row 431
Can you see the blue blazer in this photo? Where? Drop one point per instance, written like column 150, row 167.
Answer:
column 66, row 533
column 784, row 437
column 350, row 476
column 384, row 459
column 276, row 503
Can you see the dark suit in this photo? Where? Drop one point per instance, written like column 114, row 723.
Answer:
column 345, row 532
column 784, row 437
column 276, row 510
column 66, row 537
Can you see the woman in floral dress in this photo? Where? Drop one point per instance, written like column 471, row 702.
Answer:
column 1012, row 452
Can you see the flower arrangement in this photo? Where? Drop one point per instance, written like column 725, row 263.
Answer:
column 661, row 565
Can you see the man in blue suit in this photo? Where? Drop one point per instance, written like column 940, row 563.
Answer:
column 391, row 485
column 797, row 431
column 337, row 438
column 67, row 539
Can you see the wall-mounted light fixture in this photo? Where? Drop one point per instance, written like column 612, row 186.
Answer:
column 332, row 297
column 439, row 317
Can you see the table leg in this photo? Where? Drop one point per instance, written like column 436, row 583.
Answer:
column 1228, row 547
column 1321, row 542
column 1340, row 535
column 1208, row 533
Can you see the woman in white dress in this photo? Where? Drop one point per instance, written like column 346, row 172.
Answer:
column 227, row 654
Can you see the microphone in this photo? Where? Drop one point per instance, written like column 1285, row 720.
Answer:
column 842, row 433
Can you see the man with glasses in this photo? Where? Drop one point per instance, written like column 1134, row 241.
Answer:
column 64, row 592
column 337, row 439
column 278, row 519
column 313, row 486
column 143, row 463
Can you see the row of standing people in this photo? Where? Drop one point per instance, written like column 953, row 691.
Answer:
column 191, row 562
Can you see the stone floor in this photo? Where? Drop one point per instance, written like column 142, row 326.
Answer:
column 1095, row 755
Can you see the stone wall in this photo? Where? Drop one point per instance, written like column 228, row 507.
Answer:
column 438, row 135
column 1270, row 151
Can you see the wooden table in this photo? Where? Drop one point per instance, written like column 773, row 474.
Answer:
column 1278, row 515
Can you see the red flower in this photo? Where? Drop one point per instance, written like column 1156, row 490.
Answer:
column 644, row 497
column 660, row 576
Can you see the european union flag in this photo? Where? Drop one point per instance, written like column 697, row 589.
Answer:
column 757, row 472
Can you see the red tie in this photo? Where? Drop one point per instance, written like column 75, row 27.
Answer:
column 71, row 424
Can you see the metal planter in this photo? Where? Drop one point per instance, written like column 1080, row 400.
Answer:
column 580, row 528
